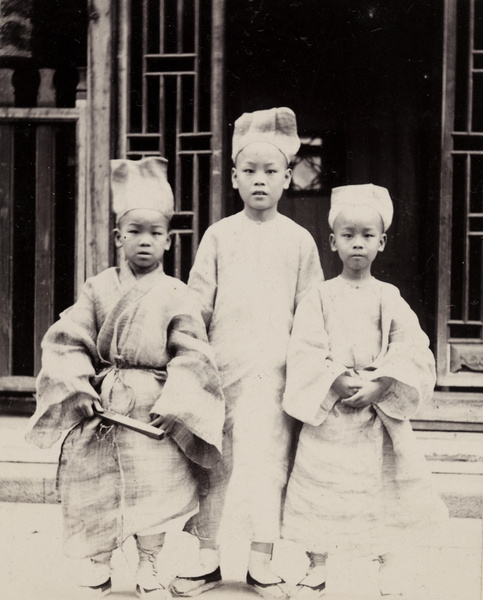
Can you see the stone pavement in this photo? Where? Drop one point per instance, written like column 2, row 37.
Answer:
column 32, row 566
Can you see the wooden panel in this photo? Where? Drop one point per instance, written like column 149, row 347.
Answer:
column 453, row 426
column 48, row 115
column 6, row 246
column 18, row 384
column 453, row 406
column 44, row 236
column 468, row 355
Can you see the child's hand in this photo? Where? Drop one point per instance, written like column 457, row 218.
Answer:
column 347, row 385
column 85, row 405
column 164, row 423
column 369, row 393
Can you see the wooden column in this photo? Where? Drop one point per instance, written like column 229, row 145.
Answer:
column 446, row 198
column 217, row 112
column 44, row 237
column 6, row 246
column 81, row 192
column 99, row 78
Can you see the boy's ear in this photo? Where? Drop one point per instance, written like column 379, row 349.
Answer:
column 167, row 246
column 333, row 246
column 118, row 238
column 288, row 178
column 382, row 242
column 234, row 178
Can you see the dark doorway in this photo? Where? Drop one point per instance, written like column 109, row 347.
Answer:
column 365, row 77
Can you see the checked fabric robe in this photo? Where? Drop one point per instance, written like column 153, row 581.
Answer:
column 359, row 479
column 139, row 346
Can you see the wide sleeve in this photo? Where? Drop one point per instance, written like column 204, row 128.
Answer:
column 310, row 271
column 408, row 360
column 192, row 394
column 310, row 369
column 69, row 355
column 203, row 277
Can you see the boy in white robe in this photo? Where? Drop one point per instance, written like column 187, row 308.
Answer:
column 134, row 343
column 357, row 368
column 251, row 271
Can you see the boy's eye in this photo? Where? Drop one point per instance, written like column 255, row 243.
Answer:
column 271, row 171
column 248, row 170
column 132, row 231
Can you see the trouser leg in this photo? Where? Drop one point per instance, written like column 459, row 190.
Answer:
column 213, row 484
column 147, row 578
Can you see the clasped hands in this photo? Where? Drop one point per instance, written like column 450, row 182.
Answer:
column 89, row 407
column 359, row 393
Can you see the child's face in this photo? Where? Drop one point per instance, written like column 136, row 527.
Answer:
column 357, row 237
column 144, row 235
column 261, row 175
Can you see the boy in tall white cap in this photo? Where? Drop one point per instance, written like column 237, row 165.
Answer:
column 358, row 366
column 250, row 272
column 135, row 343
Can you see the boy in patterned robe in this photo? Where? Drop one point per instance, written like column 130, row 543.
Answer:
column 357, row 369
column 135, row 343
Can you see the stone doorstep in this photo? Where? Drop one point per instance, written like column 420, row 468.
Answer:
column 26, row 482
column 35, row 483
column 28, row 474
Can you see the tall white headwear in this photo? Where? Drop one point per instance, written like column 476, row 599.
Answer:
column 367, row 194
column 277, row 126
column 141, row 184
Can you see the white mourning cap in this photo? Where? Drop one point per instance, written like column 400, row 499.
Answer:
column 367, row 194
column 276, row 126
column 141, row 184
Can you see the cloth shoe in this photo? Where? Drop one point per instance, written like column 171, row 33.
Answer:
column 203, row 576
column 270, row 591
column 95, row 577
column 93, row 592
column 189, row 587
column 312, row 586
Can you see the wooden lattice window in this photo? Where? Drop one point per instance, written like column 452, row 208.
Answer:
column 460, row 310
column 171, row 105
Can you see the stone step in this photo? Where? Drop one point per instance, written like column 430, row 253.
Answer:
column 35, row 482
column 27, row 474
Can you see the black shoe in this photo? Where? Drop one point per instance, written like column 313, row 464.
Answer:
column 207, row 582
column 97, row 591
column 264, row 588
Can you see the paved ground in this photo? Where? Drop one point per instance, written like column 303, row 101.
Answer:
column 32, row 566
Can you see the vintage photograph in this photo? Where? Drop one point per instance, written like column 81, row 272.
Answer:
column 241, row 299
